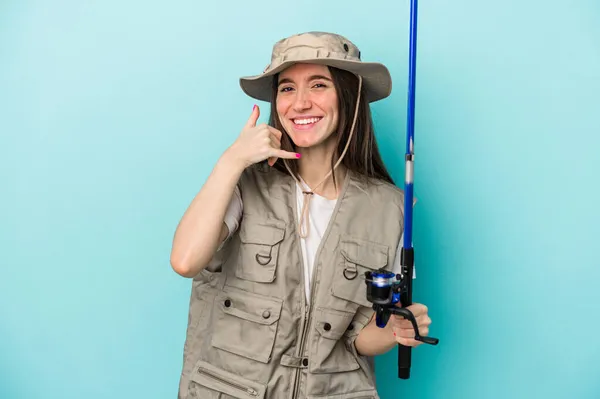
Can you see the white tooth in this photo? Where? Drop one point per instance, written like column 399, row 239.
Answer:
column 306, row 121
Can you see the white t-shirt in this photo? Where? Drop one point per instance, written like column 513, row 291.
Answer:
column 320, row 211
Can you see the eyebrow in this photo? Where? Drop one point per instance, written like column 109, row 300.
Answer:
column 313, row 77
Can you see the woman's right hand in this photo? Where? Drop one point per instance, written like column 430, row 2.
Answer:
column 257, row 143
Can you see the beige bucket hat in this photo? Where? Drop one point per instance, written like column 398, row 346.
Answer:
column 319, row 48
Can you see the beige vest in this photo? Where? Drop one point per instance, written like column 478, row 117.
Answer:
column 252, row 335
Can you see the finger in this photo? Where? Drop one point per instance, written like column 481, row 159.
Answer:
column 403, row 324
column 285, row 154
column 408, row 342
column 422, row 322
column 253, row 117
column 410, row 333
column 276, row 132
column 275, row 142
column 271, row 160
column 417, row 309
column 404, row 333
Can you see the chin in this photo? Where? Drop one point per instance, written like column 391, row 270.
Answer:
column 305, row 139
column 304, row 142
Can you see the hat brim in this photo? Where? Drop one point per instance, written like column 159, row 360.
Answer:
column 377, row 81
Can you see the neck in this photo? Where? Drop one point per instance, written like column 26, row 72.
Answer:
column 314, row 165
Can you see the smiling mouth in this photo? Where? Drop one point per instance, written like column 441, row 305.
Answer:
column 306, row 121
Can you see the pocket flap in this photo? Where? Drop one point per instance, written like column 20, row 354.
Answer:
column 370, row 394
column 226, row 382
column 249, row 306
column 261, row 232
column 364, row 253
column 332, row 323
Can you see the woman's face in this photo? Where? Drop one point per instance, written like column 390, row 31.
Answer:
column 307, row 104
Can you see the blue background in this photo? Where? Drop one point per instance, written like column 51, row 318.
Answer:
column 113, row 113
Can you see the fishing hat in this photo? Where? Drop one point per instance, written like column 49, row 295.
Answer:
column 319, row 48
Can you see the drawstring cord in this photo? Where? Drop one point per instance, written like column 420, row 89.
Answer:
column 308, row 194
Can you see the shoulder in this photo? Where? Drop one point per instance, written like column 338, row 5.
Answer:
column 382, row 191
column 262, row 175
column 388, row 189
column 263, row 186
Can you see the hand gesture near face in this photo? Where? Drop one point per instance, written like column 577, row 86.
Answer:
column 257, row 143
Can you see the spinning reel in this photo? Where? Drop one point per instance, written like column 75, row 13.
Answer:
column 384, row 290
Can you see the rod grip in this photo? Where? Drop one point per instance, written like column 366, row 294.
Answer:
column 404, row 358
column 407, row 260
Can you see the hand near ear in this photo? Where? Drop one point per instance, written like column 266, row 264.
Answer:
column 257, row 143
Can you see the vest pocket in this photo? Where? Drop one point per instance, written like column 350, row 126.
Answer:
column 210, row 382
column 246, row 323
column 356, row 256
column 259, row 249
column 328, row 352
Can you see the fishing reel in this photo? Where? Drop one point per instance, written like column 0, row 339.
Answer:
column 384, row 291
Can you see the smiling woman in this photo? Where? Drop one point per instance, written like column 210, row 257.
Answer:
column 293, row 213
column 318, row 99
column 307, row 106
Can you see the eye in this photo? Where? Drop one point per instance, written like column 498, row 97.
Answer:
column 319, row 85
column 284, row 89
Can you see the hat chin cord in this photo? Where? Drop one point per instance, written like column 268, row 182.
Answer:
column 307, row 194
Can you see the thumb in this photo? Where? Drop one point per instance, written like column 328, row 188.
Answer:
column 253, row 116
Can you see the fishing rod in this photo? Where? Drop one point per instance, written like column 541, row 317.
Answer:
column 386, row 289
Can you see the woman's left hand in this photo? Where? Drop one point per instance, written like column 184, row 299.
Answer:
column 403, row 329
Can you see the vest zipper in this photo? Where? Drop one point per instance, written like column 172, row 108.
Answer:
column 312, row 281
column 305, row 329
column 297, row 376
column 248, row 390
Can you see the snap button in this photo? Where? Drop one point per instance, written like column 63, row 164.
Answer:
column 327, row 326
column 266, row 314
column 227, row 303
column 305, row 362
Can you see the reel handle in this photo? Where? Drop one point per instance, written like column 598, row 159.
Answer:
column 407, row 314
column 383, row 313
column 385, row 290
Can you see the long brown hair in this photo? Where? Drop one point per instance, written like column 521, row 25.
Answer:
column 363, row 155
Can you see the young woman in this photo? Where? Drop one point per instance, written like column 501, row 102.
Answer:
column 278, row 239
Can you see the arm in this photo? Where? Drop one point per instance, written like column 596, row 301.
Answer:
column 372, row 340
column 202, row 228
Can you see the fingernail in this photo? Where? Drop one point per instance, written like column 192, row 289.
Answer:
column 394, row 334
column 298, row 155
column 253, row 108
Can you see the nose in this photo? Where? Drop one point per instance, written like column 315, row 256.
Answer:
column 302, row 100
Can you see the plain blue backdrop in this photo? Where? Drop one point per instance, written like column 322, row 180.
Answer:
column 112, row 114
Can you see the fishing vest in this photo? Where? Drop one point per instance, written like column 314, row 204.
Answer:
column 251, row 332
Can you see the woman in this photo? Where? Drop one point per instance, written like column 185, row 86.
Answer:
column 279, row 237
